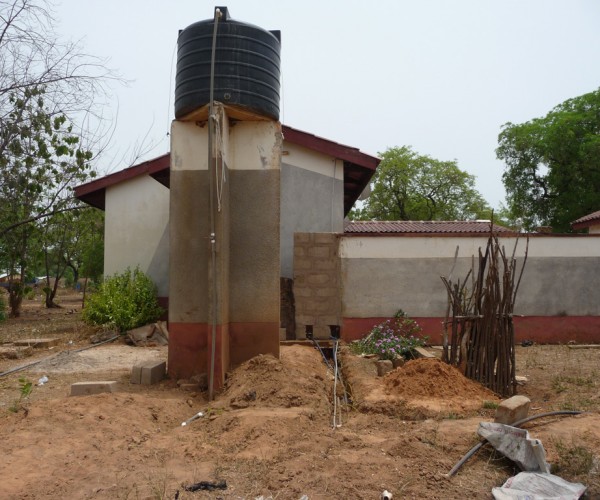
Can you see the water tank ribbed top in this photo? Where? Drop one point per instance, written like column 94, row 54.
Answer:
column 247, row 67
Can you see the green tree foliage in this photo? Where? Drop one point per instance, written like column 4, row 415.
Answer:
column 410, row 186
column 124, row 301
column 46, row 85
column 41, row 161
column 552, row 171
column 71, row 240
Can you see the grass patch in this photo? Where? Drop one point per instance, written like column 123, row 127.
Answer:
column 573, row 459
column 490, row 405
column 558, row 384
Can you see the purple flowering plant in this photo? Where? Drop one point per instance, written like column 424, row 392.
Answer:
column 394, row 338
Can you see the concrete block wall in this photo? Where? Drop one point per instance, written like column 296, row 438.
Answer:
column 557, row 300
column 317, row 283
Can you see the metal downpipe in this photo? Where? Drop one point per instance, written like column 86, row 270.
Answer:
column 211, row 177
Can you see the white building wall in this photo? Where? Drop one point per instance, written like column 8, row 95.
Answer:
column 137, row 229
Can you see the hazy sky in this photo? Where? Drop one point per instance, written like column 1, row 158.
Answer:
column 439, row 75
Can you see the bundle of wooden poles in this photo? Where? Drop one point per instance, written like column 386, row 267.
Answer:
column 478, row 332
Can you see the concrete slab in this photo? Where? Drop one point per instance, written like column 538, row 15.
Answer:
column 148, row 372
column 96, row 387
column 512, row 409
column 136, row 374
column 37, row 343
column 423, row 353
column 153, row 372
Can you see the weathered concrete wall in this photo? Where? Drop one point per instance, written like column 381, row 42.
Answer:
column 190, row 251
column 383, row 274
column 316, row 282
column 246, row 190
column 254, row 177
column 137, row 229
column 312, row 198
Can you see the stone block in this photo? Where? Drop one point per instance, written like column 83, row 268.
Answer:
column 319, row 279
column 153, row 372
column 282, row 334
column 302, row 291
column 148, row 372
column 302, row 263
column 325, row 264
column 383, row 366
column 512, row 409
column 136, row 374
column 302, row 237
column 326, row 306
column 324, row 238
column 299, row 251
column 89, row 388
column 327, row 292
column 305, row 319
column 319, row 252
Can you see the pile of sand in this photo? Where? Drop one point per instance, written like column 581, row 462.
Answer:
column 432, row 378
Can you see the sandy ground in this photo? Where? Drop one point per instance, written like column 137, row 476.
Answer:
column 270, row 432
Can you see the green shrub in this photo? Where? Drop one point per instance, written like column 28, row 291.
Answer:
column 124, row 301
column 394, row 338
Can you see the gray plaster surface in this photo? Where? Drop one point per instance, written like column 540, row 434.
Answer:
column 550, row 286
column 310, row 202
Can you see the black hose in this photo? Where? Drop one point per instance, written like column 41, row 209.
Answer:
column 478, row 446
column 322, row 353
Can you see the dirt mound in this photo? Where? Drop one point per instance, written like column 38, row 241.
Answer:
column 432, row 378
column 298, row 379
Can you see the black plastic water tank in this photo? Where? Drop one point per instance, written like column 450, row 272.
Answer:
column 247, row 66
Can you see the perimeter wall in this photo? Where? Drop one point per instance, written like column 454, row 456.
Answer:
column 558, row 299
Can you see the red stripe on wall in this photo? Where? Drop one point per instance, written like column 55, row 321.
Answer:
column 247, row 340
column 190, row 347
column 187, row 349
column 541, row 329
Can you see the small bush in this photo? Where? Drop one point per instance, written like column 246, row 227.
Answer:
column 124, row 301
column 394, row 338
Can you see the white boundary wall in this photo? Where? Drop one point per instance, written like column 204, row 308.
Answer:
column 381, row 274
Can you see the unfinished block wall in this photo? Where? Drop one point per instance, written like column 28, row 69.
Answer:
column 317, row 290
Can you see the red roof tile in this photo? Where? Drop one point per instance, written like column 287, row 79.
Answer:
column 437, row 227
column 586, row 221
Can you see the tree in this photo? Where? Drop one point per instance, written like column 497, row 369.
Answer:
column 46, row 86
column 71, row 240
column 552, row 171
column 42, row 160
column 409, row 186
column 36, row 64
